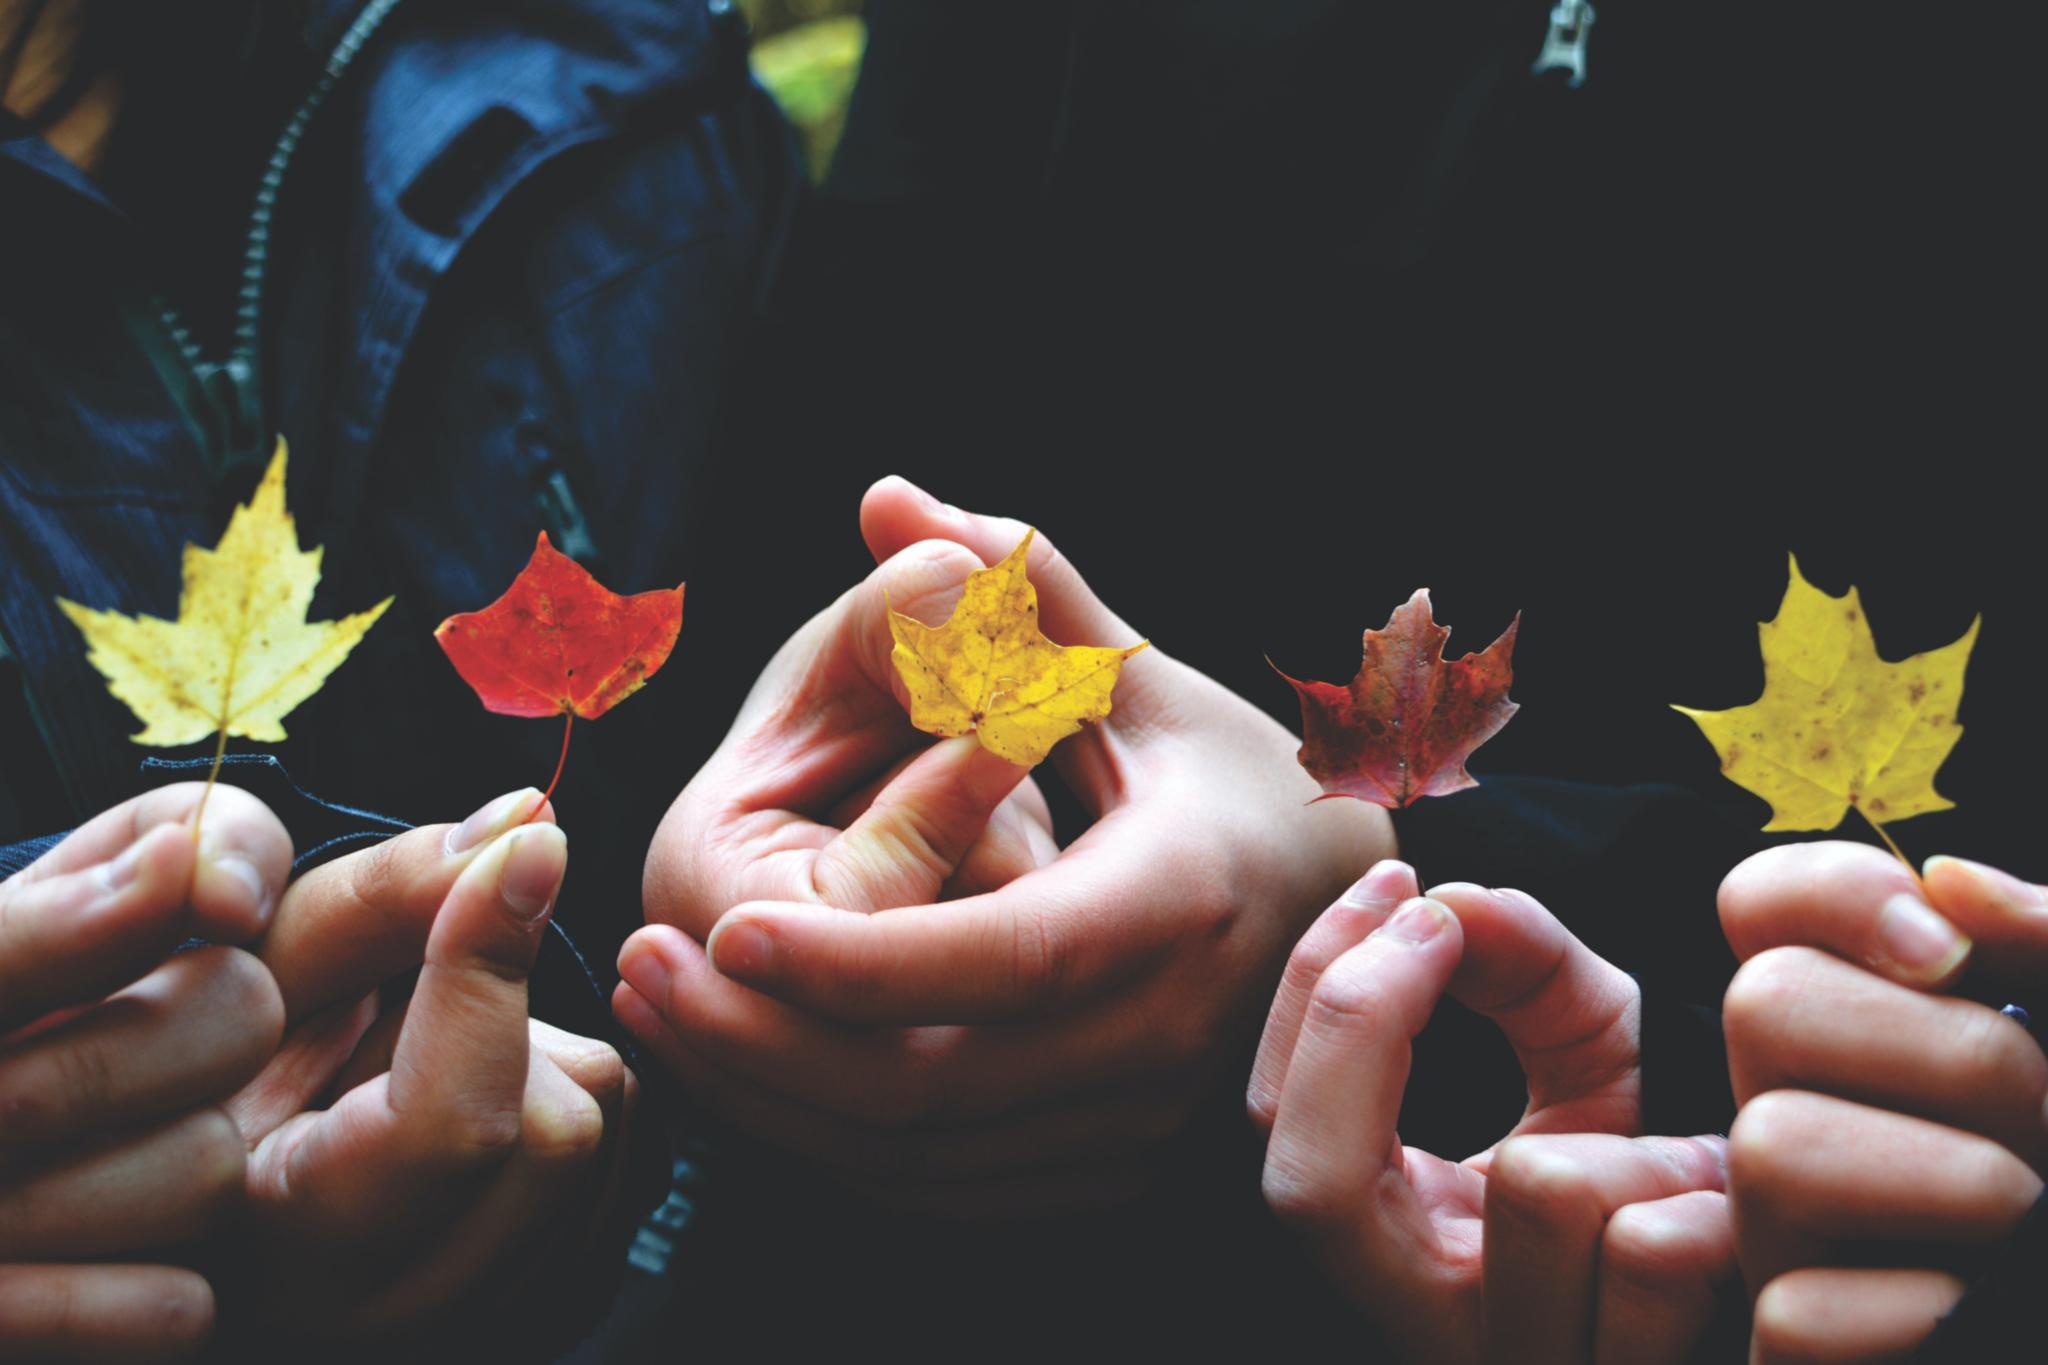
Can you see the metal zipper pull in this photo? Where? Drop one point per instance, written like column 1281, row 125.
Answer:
column 1564, row 46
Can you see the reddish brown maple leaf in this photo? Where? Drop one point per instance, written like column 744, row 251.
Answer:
column 559, row 643
column 1405, row 725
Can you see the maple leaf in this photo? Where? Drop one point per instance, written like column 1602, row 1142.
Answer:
column 991, row 673
column 559, row 643
column 241, row 654
column 1404, row 726
column 1837, row 728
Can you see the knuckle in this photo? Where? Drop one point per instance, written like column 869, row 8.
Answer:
column 219, row 1156
column 568, row 1135
column 1781, row 1321
column 1765, row 991
column 1768, row 1127
column 1999, row 1059
column 1042, row 958
column 1347, row 1004
column 481, row 1134
column 1532, row 1180
column 1645, row 1250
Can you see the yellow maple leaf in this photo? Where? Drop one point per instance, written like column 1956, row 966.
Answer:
column 989, row 672
column 241, row 653
column 1838, row 728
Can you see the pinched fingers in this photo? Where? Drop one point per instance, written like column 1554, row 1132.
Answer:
column 1357, row 913
column 241, row 861
column 107, row 1314
column 1549, row 1201
column 1851, row 900
column 1811, row 1173
column 188, row 1034
column 348, row 926
column 1800, row 1019
column 1829, row 1316
column 453, row 1101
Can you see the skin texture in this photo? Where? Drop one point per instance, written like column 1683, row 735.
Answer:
column 116, row 1060
column 1887, row 1131
column 1570, row 1239
column 407, row 1161
column 912, row 984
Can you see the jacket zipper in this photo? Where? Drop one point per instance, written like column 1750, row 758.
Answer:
column 229, row 386
column 1564, row 45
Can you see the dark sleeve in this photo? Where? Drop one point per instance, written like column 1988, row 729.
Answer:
column 15, row 857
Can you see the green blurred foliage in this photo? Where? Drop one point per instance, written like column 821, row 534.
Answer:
column 807, row 53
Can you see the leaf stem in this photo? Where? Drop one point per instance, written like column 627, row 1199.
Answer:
column 568, row 724
column 220, row 751
column 1889, row 842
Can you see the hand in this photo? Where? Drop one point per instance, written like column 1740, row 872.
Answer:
column 115, row 1060
column 468, row 1144
column 1886, row 1131
column 1570, row 1239
column 1024, row 1047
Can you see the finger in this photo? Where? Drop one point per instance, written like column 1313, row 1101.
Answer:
column 895, row 1078
column 1809, row 1173
column 1664, row 1266
column 2006, row 917
column 917, row 830
column 895, row 513
column 1110, row 1129
column 167, row 1185
column 1800, row 1019
column 350, row 925
column 1847, row 899
column 107, row 1314
column 1015, row 842
column 1357, row 913
column 1849, row 1317
column 303, row 1068
column 1328, row 1160
column 186, row 1035
column 1548, row 1200
column 1570, row 1015
column 460, row 1067
column 1038, row 945
column 244, row 856
column 70, row 938
column 592, row 1064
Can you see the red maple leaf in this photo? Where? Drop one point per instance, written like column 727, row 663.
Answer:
column 1405, row 725
column 559, row 643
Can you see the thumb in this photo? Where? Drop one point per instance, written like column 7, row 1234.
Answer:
column 917, row 830
column 896, row 513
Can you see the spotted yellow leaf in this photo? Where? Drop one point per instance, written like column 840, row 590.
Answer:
column 1838, row 728
column 241, row 654
column 991, row 673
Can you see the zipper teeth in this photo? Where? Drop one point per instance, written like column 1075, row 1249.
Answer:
column 256, row 248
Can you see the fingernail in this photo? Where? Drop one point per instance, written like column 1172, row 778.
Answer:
column 1921, row 943
column 244, row 872
column 1418, row 921
column 2002, row 889
column 740, row 949
column 535, row 858
column 118, row 873
column 494, row 819
column 1380, row 888
column 644, row 970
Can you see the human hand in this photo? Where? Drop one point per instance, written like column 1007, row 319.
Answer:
column 1887, row 1131
column 467, row 1146
column 1024, row 1046
column 1570, row 1239
column 115, row 1060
